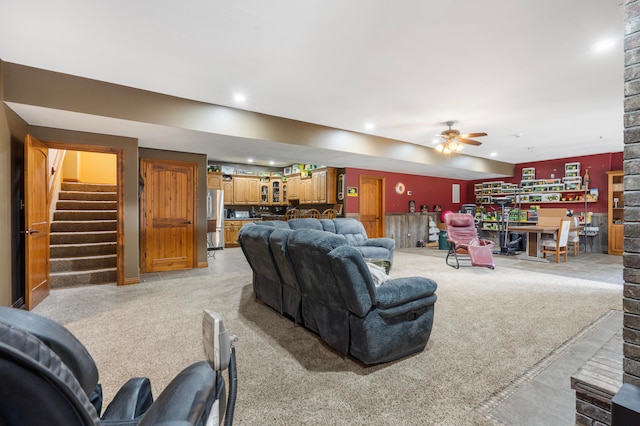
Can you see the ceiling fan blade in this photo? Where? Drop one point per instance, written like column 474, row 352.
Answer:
column 473, row 135
column 469, row 141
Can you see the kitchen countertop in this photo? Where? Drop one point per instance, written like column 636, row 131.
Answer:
column 273, row 217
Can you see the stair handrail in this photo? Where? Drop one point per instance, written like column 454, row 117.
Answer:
column 55, row 180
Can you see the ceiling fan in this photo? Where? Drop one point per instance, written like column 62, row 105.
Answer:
column 453, row 140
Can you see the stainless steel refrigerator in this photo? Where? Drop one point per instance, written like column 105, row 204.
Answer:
column 215, row 219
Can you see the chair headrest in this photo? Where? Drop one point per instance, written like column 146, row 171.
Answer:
column 72, row 353
column 459, row 219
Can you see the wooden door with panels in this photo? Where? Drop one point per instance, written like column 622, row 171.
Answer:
column 168, row 215
column 372, row 205
column 36, row 202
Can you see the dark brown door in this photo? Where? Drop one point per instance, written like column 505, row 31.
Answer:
column 36, row 206
column 372, row 205
column 168, row 215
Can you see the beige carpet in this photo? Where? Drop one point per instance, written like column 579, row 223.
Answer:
column 490, row 327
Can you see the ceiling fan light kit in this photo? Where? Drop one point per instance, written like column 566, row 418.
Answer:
column 453, row 140
column 449, row 147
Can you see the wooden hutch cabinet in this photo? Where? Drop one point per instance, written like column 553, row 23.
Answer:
column 616, row 212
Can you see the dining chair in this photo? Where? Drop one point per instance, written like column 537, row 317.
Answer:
column 313, row 213
column 292, row 214
column 574, row 241
column 559, row 245
column 329, row 214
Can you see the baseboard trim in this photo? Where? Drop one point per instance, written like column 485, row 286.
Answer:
column 203, row 264
column 130, row 281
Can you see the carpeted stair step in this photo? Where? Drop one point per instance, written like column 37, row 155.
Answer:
column 83, row 235
column 79, row 237
column 88, row 196
column 72, row 279
column 77, row 250
column 86, row 263
column 85, row 215
column 87, row 187
column 86, row 205
column 84, row 226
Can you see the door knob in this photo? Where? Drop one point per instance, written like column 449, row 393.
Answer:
column 31, row 231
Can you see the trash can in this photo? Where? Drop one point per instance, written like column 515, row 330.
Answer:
column 443, row 244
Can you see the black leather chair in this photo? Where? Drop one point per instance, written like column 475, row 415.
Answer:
column 47, row 377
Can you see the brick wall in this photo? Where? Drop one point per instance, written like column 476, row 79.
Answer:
column 631, row 258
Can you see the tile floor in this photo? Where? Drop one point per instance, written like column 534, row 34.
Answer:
column 543, row 396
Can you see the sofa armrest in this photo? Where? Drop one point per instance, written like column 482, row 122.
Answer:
column 388, row 243
column 397, row 291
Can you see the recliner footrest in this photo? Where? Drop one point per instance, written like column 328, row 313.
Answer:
column 481, row 256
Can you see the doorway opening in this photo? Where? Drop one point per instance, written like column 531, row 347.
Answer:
column 83, row 218
column 86, row 212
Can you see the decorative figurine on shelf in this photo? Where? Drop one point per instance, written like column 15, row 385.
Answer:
column 433, row 230
column 412, row 206
column 586, row 180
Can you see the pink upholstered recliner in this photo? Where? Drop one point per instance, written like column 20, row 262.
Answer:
column 463, row 241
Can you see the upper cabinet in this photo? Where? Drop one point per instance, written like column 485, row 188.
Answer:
column 246, row 190
column 293, row 187
column 324, row 184
column 227, row 187
column 319, row 188
column 214, row 181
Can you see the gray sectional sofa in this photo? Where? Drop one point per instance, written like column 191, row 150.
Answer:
column 321, row 281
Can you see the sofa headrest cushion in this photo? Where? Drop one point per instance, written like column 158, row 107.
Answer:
column 305, row 223
column 325, row 241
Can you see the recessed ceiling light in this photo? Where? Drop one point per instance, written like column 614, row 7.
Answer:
column 240, row 98
column 271, row 162
column 369, row 125
column 603, row 45
column 493, row 154
column 435, row 141
column 249, row 160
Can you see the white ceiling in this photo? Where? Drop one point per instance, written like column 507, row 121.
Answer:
column 522, row 71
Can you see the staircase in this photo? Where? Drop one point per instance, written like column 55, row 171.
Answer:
column 83, row 235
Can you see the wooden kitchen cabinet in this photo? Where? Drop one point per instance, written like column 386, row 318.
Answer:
column 227, row 187
column 293, row 187
column 214, row 181
column 275, row 192
column 306, row 191
column 231, row 230
column 324, row 183
column 246, row 190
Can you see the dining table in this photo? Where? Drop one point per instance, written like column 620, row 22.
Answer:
column 534, row 236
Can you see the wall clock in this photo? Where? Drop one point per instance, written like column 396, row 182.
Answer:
column 400, row 188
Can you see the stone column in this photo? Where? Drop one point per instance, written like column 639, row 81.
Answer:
column 625, row 408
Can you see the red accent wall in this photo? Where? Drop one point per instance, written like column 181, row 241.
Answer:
column 432, row 190
column 424, row 189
